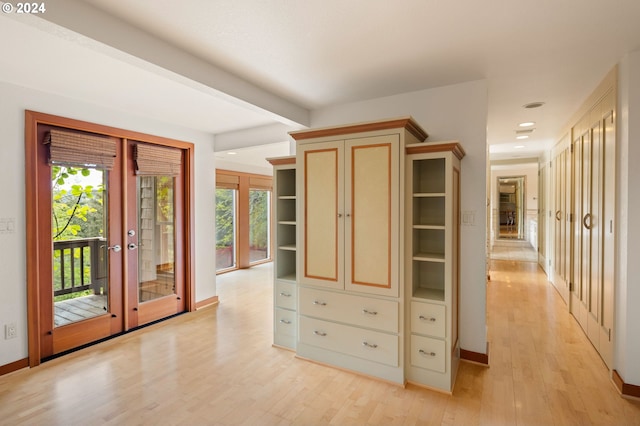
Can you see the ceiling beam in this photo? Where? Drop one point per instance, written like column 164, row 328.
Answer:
column 153, row 54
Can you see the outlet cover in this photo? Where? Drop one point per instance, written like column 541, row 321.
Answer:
column 10, row 331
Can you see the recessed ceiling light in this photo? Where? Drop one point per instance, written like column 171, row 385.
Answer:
column 519, row 146
column 522, row 137
column 527, row 124
column 231, row 153
column 533, row 105
column 524, row 131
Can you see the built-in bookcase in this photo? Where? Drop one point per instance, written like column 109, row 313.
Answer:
column 285, row 261
column 433, row 171
column 429, row 225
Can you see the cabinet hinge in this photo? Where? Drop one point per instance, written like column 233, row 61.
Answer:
column 572, row 148
column 570, row 286
column 609, row 334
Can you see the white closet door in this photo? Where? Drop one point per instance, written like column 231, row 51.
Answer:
column 608, row 216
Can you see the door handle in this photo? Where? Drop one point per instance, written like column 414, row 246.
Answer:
column 584, row 221
column 115, row 248
column 132, row 246
column 558, row 213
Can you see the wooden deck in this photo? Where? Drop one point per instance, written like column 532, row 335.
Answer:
column 78, row 309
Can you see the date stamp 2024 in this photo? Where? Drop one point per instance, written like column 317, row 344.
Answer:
column 24, row 8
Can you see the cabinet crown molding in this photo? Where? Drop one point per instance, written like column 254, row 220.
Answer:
column 278, row 161
column 407, row 123
column 421, row 148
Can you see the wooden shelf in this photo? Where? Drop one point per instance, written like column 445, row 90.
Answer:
column 428, row 194
column 429, row 294
column 439, row 227
column 291, row 247
column 287, row 222
column 286, row 197
column 288, row 277
column 429, row 257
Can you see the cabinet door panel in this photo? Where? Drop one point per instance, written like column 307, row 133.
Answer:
column 323, row 222
column 371, row 197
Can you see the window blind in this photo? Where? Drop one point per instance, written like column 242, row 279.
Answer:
column 224, row 181
column 80, row 149
column 157, row 160
column 260, row 183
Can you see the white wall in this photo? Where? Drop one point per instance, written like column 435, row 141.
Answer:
column 14, row 100
column 457, row 112
column 627, row 343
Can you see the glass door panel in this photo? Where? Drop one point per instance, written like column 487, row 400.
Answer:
column 156, row 228
column 79, row 228
column 225, row 228
column 259, row 220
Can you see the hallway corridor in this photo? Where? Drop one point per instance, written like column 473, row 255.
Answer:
column 541, row 358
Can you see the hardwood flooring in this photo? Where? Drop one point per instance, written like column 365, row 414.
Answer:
column 217, row 367
column 518, row 250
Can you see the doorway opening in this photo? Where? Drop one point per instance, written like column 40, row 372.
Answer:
column 511, row 220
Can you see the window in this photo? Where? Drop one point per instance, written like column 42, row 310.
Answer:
column 243, row 220
column 225, row 228
column 259, row 221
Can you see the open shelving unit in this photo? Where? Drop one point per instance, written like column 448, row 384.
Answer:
column 285, row 261
column 429, row 228
column 433, row 176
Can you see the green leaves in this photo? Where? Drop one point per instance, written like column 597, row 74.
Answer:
column 77, row 205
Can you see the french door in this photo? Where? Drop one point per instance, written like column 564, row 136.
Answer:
column 155, row 220
column 109, row 241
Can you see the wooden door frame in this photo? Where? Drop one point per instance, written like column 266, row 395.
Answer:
column 35, row 236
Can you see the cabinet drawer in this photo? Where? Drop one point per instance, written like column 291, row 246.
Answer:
column 355, row 310
column 285, row 295
column 429, row 319
column 366, row 344
column 285, row 322
column 428, row 353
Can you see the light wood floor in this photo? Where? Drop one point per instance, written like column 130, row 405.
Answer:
column 217, row 367
column 519, row 250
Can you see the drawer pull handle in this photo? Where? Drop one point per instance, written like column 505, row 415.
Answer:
column 423, row 318
column 285, row 294
column 319, row 333
column 285, row 321
column 317, row 302
column 425, row 353
column 369, row 345
column 367, row 312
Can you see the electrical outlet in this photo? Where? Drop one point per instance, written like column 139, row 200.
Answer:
column 10, row 331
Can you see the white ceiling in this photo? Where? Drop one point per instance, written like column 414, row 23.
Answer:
column 225, row 65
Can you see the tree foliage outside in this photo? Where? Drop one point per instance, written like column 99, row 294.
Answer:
column 77, row 213
column 77, row 210
column 259, row 220
column 225, row 214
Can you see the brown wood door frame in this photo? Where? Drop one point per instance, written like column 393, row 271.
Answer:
column 38, row 230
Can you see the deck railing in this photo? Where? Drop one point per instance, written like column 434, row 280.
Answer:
column 80, row 265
